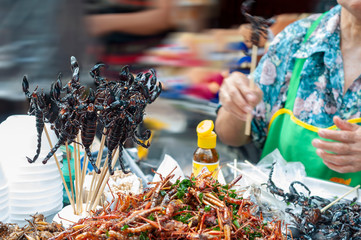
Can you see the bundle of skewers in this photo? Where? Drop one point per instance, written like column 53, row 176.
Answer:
column 75, row 112
column 193, row 208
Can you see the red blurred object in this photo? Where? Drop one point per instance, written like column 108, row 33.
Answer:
column 208, row 89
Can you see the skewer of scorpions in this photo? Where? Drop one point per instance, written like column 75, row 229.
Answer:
column 117, row 105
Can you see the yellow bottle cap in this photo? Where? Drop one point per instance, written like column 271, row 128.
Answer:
column 207, row 138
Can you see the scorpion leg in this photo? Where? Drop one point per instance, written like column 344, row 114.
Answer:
column 110, row 158
column 120, row 159
column 140, row 143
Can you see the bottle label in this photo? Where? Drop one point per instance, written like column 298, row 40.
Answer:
column 201, row 168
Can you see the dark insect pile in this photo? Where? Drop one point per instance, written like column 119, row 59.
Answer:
column 117, row 105
column 193, row 208
column 37, row 229
column 259, row 25
column 342, row 221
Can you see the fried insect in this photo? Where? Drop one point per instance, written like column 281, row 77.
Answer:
column 192, row 213
column 37, row 228
column 37, row 108
column 117, row 105
column 88, row 121
column 259, row 25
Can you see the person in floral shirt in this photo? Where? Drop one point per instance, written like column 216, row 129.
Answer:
column 329, row 90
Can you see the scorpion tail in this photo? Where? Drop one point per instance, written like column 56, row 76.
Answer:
column 51, row 153
column 38, row 147
column 92, row 160
column 32, row 160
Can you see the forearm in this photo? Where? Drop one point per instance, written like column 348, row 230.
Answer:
column 139, row 23
column 230, row 129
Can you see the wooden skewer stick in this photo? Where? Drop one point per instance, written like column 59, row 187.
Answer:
column 100, row 179
column 235, row 165
column 82, row 179
column 338, row 199
column 78, row 173
column 98, row 182
column 76, row 183
column 247, row 129
column 68, row 155
column 59, row 168
column 98, row 161
column 244, row 173
column 256, row 168
column 105, row 180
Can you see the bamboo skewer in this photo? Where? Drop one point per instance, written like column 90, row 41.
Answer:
column 100, row 154
column 76, row 189
column 338, row 199
column 235, row 165
column 105, row 180
column 256, row 168
column 244, row 173
column 78, row 172
column 99, row 187
column 68, row 155
column 80, row 179
column 59, row 169
column 247, row 130
column 99, row 180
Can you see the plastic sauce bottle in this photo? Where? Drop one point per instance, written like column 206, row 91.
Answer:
column 205, row 157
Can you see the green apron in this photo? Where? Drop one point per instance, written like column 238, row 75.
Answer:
column 293, row 137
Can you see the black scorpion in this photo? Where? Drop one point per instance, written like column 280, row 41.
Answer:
column 117, row 105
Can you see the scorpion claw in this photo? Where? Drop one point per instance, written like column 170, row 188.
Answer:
column 25, row 84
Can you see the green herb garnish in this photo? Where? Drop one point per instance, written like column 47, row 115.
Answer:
column 124, row 227
column 207, row 208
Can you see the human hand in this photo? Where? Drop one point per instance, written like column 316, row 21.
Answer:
column 346, row 152
column 237, row 97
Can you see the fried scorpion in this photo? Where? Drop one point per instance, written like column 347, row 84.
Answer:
column 118, row 105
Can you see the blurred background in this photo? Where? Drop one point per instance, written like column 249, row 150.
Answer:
column 190, row 43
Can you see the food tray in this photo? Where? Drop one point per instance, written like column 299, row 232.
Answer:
column 329, row 190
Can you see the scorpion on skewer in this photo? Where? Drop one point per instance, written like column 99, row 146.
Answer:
column 117, row 105
column 37, row 108
column 259, row 25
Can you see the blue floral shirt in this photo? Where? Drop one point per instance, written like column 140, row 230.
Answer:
column 320, row 93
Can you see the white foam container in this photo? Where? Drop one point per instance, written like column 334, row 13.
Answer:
column 30, row 184
column 4, row 202
column 35, row 200
column 4, row 213
column 38, row 194
column 32, row 209
column 20, row 217
column 4, row 192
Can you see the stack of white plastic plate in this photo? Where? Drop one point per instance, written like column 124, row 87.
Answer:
column 33, row 187
column 4, row 198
